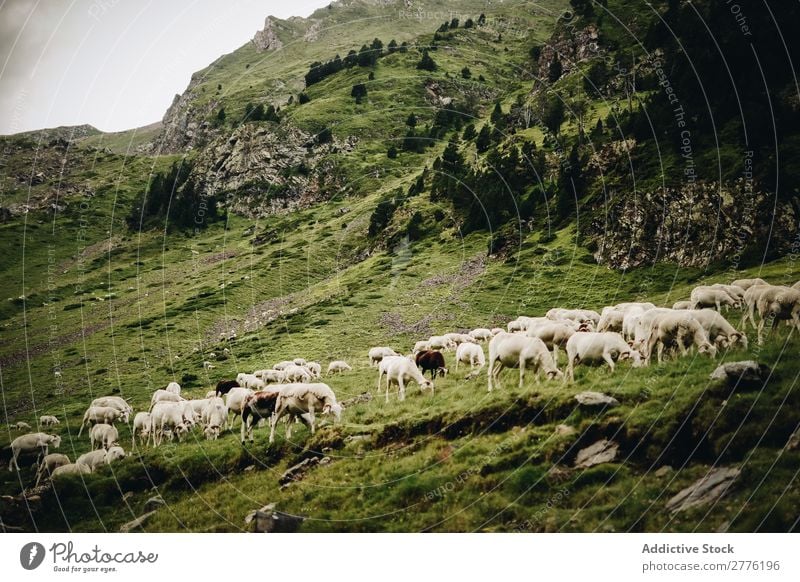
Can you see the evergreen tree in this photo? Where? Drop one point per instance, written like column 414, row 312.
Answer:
column 392, row 152
column 484, row 139
column 411, row 121
column 392, row 46
column 466, row 73
column 303, row 98
column 426, row 63
column 359, row 91
column 555, row 70
column 469, row 132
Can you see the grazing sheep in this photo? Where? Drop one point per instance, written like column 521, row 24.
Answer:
column 736, row 292
column 270, row 376
column 598, row 347
column 705, row 296
column 778, row 304
column 747, row 283
column 611, row 320
column 104, row 435
column 225, row 386
column 251, row 381
column 299, row 362
column 174, row 387
column 167, row 416
column 113, row 402
column 496, row 330
column 338, row 367
column 523, row 322
column 473, row 355
column 481, row 334
column 682, row 305
column 378, row 353
column 102, row 415
column 70, row 469
column 48, row 420
column 642, row 324
column 164, row 396
column 282, row 365
column 440, row 342
column 638, row 305
column 258, row 406
column 721, row 333
column 554, row 335
column 516, row 351
column 400, row 370
column 141, row 427
column 433, row 362
column 750, row 299
column 211, row 394
column 31, row 443
column 459, row 338
column 101, row 457
column 235, row 402
column 296, row 374
column 314, row 368
column 303, row 401
column 678, row 329
column 49, row 464
column 20, row 426
column 421, row 346
column 215, row 418
column 579, row 315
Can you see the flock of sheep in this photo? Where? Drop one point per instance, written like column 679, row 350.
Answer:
column 290, row 390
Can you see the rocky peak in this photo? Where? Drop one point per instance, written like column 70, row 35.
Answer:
column 267, row 39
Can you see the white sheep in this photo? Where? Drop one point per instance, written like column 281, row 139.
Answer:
column 554, row 335
column 338, row 367
column 734, row 291
column 48, row 420
column 70, row 469
column 113, row 402
column 598, row 347
column 421, row 346
column 32, row 443
column 481, row 334
column 141, row 428
column 299, row 362
column 400, row 370
column 215, row 418
column 643, row 323
column 102, row 415
column 579, row 315
column 282, row 365
column 251, row 381
column 104, row 435
column 706, row 296
column 678, row 328
column 750, row 299
column 611, row 320
column 378, row 353
column 682, row 305
column 174, row 387
column 473, row 355
column 718, row 329
column 167, row 416
column 270, row 376
column 302, row 401
column 314, row 368
column 20, row 426
column 496, row 330
column 778, row 304
column 747, row 283
column 459, row 338
column 295, row 373
column 164, row 396
column 98, row 458
column 441, row 342
column 50, row 463
column 235, row 401
column 517, row 351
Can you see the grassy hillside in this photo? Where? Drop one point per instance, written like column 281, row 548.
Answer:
column 92, row 307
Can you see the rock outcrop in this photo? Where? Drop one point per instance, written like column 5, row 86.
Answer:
column 267, row 38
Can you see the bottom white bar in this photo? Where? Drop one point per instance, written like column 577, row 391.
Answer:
column 354, row 557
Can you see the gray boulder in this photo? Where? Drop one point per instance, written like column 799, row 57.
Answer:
column 705, row 490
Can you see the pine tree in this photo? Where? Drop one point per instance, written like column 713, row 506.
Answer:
column 466, row 73
column 484, row 139
column 426, row 63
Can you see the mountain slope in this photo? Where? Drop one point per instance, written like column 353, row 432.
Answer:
column 324, row 245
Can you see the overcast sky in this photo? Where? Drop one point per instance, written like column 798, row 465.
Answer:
column 115, row 64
